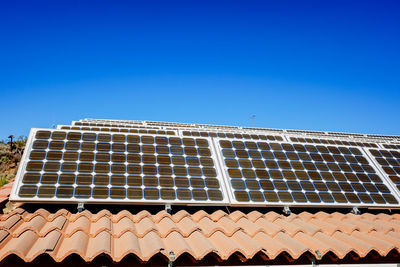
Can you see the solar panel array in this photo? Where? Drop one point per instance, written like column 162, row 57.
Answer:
column 87, row 165
column 285, row 173
column 389, row 161
column 114, row 161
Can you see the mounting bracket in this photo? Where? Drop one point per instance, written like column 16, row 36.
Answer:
column 356, row 211
column 286, row 210
column 168, row 208
column 81, row 206
column 171, row 259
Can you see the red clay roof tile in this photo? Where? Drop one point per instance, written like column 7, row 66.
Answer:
column 60, row 234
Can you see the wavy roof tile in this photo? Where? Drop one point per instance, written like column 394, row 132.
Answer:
column 145, row 235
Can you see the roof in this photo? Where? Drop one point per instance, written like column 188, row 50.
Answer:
column 5, row 191
column 218, row 235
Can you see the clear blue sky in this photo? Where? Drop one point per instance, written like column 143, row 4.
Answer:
column 319, row 65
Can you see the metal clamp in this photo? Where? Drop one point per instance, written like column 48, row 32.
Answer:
column 171, row 259
column 168, row 208
column 356, row 211
column 80, row 207
column 286, row 210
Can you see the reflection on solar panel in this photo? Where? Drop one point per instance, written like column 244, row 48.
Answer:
column 389, row 160
column 391, row 146
column 275, row 172
column 118, row 129
column 113, row 125
column 114, row 161
column 239, row 135
column 72, row 165
column 332, row 142
column 378, row 138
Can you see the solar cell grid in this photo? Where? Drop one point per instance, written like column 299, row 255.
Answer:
column 331, row 141
column 276, row 172
column 379, row 138
column 141, row 130
column 153, row 162
column 99, row 166
column 392, row 146
column 237, row 135
column 389, row 161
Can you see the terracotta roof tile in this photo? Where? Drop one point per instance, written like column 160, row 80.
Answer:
column 336, row 246
column 181, row 214
column 292, row 246
column 359, row 246
column 268, row 227
column 254, row 215
column 88, row 235
column 379, row 245
column 236, row 215
column 200, row 245
column 312, row 243
column 270, row 246
column 217, row 215
column 5, row 191
column 249, row 227
column 287, row 226
column 62, row 233
column 120, row 249
column 327, row 228
column 150, row 244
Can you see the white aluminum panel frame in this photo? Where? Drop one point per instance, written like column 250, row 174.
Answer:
column 234, row 202
column 21, row 171
column 180, row 130
column 288, row 131
column 108, row 124
column 379, row 167
column 59, row 127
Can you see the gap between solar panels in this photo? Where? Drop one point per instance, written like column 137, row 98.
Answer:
column 101, row 161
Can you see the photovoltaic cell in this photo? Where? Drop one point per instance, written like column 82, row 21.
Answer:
column 277, row 172
column 392, row 146
column 130, row 129
column 331, row 142
column 237, row 135
column 91, row 166
column 389, row 161
column 155, row 162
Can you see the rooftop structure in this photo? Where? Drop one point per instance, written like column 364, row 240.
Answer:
column 159, row 192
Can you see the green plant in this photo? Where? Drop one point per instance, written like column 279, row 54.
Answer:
column 4, row 179
column 20, row 142
column 4, row 159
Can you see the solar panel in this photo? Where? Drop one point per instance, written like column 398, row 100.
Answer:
column 365, row 139
column 331, row 141
column 221, row 127
column 96, row 126
column 113, row 124
column 113, row 161
column 236, row 134
column 74, row 166
column 389, row 161
column 142, row 130
column 286, row 173
column 113, row 121
column 392, row 146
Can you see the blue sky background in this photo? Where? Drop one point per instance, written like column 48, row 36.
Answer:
column 318, row 65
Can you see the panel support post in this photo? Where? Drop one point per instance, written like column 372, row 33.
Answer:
column 286, row 210
column 168, row 208
column 356, row 211
column 80, row 207
column 171, row 259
